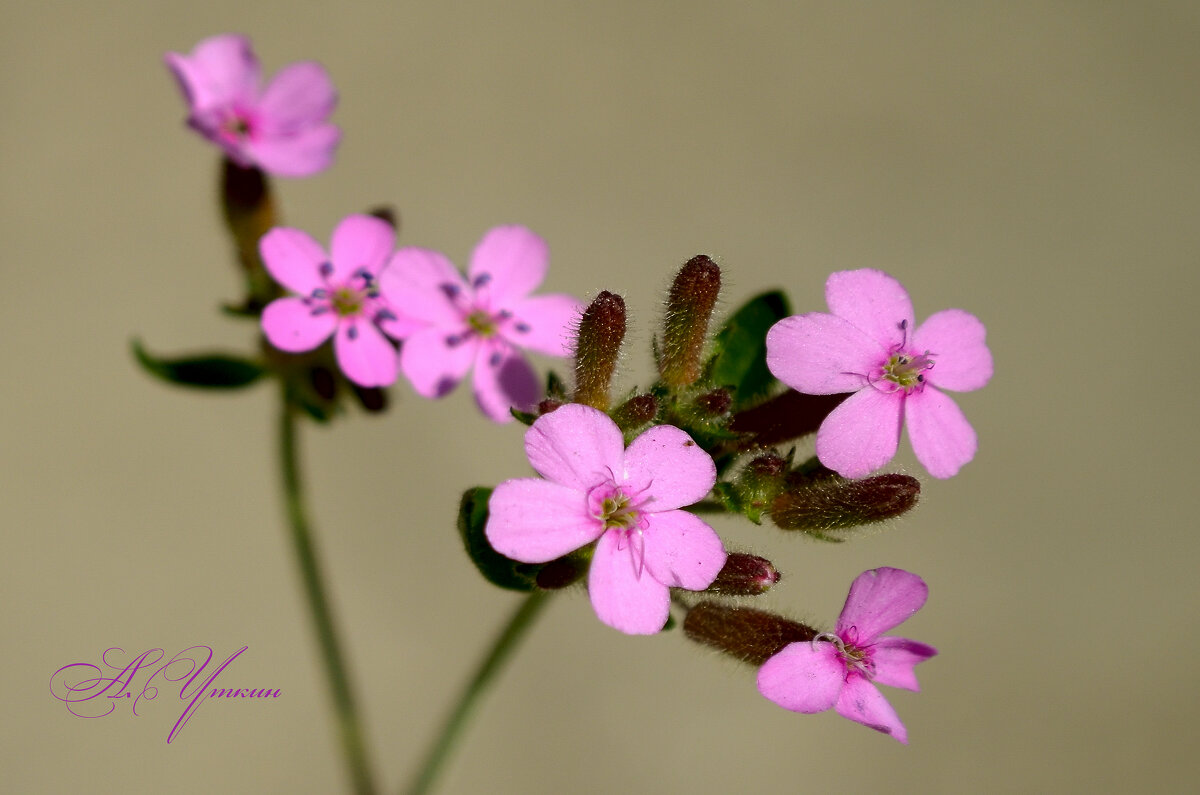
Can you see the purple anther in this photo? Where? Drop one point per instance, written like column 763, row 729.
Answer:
column 326, row 269
column 451, row 291
column 522, row 328
column 481, row 280
column 494, row 359
column 352, row 332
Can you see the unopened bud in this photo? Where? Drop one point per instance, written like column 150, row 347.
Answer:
column 830, row 504
column 715, row 403
column 564, row 571
column 783, row 418
column 759, row 484
column 548, row 405
column 689, row 306
column 249, row 213
column 374, row 399
column 635, row 412
column 324, row 383
column 601, row 331
column 753, row 636
column 744, row 575
column 387, row 214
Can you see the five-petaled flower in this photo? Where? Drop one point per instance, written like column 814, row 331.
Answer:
column 283, row 129
column 869, row 346
column 626, row 499
column 449, row 323
column 336, row 295
column 840, row 669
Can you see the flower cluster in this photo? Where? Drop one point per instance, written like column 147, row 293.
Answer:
column 622, row 481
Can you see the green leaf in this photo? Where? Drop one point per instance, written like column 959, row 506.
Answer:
column 497, row 569
column 206, row 371
column 740, row 361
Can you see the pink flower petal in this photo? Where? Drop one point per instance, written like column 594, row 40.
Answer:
column 957, row 341
column 667, row 467
column 874, row 302
column 862, row 433
column 298, row 155
column 536, row 521
column 803, row 677
column 861, row 701
column 364, row 354
column 293, row 259
column 423, row 285
column 879, row 599
column 636, row 605
column 290, row 325
column 575, row 445
column 507, row 265
column 544, row 323
column 895, row 659
column 360, row 241
column 941, row 436
column 220, row 70
column 432, row 364
column 300, row 95
column 682, row 551
column 820, row 354
column 504, row 380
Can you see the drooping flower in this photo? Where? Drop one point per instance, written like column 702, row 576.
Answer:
column 594, row 489
column 449, row 323
column 840, row 669
column 283, row 129
column 336, row 294
column 868, row 345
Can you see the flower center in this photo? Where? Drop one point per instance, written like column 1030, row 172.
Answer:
column 481, row 323
column 616, row 511
column 906, row 370
column 347, row 301
column 856, row 659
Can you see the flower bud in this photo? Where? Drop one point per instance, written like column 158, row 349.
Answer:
column 783, row 418
column 744, row 575
column 597, row 347
column 387, row 213
column 759, row 484
column 548, row 405
column 753, row 636
column 829, row 504
column 715, row 403
column 635, row 412
column 689, row 306
column 249, row 212
column 564, row 571
column 373, row 399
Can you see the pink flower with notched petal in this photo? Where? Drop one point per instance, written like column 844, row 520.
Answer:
column 448, row 323
column 627, row 499
column 337, row 295
column 868, row 346
column 839, row 669
column 282, row 129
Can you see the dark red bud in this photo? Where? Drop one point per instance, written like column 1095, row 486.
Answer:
column 830, row 504
column 745, row 575
column 753, row 636
column 597, row 348
column 690, row 305
column 636, row 412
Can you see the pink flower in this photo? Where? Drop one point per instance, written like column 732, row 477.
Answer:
column 337, row 294
column 594, row 488
column 449, row 324
column 837, row 669
column 868, row 346
column 282, row 129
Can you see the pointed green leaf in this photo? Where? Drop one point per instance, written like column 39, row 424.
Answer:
column 740, row 361
column 497, row 569
column 206, row 371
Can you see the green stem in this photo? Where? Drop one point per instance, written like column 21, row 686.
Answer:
column 452, row 730
column 349, row 726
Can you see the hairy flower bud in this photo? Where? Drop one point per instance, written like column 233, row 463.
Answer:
column 745, row 575
column 760, row 483
column 829, row 504
column 715, row 403
column 785, row 417
column 689, row 306
column 635, row 412
column 249, row 212
column 753, row 636
column 598, row 345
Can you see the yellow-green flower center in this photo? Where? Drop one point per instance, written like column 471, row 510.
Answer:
column 481, row 322
column 615, row 511
column 347, row 301
column 907, row 371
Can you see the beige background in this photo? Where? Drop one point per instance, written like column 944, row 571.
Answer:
column 1035, row 164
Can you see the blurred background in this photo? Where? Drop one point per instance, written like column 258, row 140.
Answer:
column 1035, row 164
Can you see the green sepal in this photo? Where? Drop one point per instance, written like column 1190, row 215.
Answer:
column 205, row 371
column 740, row 360
column 496, row 569
column 523, row 417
